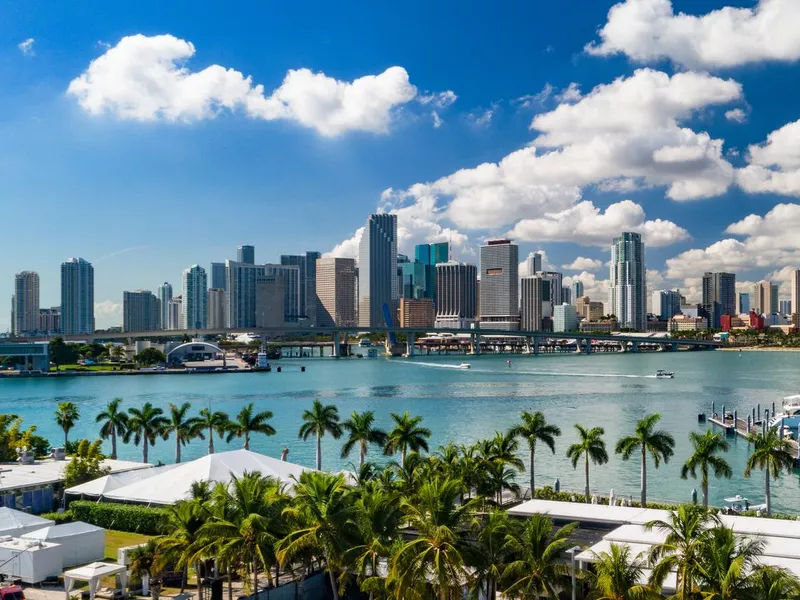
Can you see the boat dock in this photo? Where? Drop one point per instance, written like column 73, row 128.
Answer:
column 733, row 424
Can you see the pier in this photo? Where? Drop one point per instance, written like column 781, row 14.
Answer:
column 756, row 421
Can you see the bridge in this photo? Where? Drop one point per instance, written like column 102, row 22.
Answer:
column 338, row 335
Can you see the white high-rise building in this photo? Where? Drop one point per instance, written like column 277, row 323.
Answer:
column 531, row 303
column 175, row 314
column 216, row 308
column 565, row 318
column 627, row 294
column 335, row 292
column 499, row 288
column 577, row 291
column 194, row 298
column 794, row 291
column 77, row 297
column 456, row 295
column 164, row 296
column 25, row 304
column 378, row 284
column 764, row 299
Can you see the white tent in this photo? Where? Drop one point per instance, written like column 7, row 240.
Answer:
column 15, row 522
column 93, row 573
column 81, row 543
column 108, row 483
column 175, row 485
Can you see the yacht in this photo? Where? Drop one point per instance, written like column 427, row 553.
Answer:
column 662, row 374
column 464, row 366
column 789, row 415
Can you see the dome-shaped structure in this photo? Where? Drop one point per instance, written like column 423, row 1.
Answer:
column 193, row 352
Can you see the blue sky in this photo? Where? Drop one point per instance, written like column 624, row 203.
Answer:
column 133, row 138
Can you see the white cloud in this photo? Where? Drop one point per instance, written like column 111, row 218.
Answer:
column 107, row 308
column 349, row 247
column 588, row 225
column 582, row 263
column 546, row 264
column 534, row 100
column 26, row 47
column 437, row 120
column 774, row 165
column 571, row 93
column 649, row 30
column 737, row 115
column 145, row 78
column 481, row 118
column 596, row 289
column 438, row 99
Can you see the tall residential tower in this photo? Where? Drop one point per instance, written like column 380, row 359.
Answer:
column 77, row 297
column 25, row 304
column 627, row 294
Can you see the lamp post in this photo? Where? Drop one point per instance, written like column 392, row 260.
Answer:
column 572, row 552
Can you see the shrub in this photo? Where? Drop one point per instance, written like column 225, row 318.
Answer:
column 59, row 518
column 122, row 517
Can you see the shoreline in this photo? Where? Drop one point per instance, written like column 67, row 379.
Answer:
column 758, row 349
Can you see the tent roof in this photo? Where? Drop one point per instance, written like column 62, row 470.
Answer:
column 108, row 483
column 64, row 530
column 15, row 519
column 174, row 485
column 95, row 569
column 588, row 513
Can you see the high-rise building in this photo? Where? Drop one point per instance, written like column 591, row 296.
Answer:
column 25, row 304
column 500, row 285
column 218, row 280
column 533, row 264
column 246, row 255
column 291, row 288
column 416, row 312
column 794, row 291
column 240, row 296
column 414, row 279
column 194, row 298
column 175, row 313
column 456, row 295
column 270, row 300
column 164, row 296
column 719, row 296
column 743, row 303
column 577, row 291
column 566, row 295
column 764, row 298
column 377, row 270
column 627, row 295
column 140, row 311
column 666, row 304
column 430, row 255
column 785, row 307
column 336, row 292
column 531, row 303
column 50, row 320
column 307, row 265
column 216, row 308
column 588, row 310
column 565, row 318
column 77, row 297
column 552, row 290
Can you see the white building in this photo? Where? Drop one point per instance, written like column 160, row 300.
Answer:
column 456, row 295
column 164, row 296
column 565, row 318
column 531, row 303
column 175, row 313
column 627, row 294
column 195, row 298
column 499, row 287
column 216, row 308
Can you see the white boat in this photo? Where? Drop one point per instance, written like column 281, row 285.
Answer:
column 464, row 366
column 789, row 415
column 738, row 504
column 662, row 374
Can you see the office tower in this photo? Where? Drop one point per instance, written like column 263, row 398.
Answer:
column 785, row 307
column 164, row 296
column 666, row 304
column 140, row 311
column 175, row 313
column 627, row 295
column 377, row 270
column 430, row 255
column 565, row 318
column 25, row 303
column 414, row 279
column 77, row 297
column 416, row 312
column 533, row 264
column 50, row 320
column 744, row 303
column 216, row 308
column 307, row 265
column 246, row 255
column 566, row 295
column 588, row 310
column 218, row 280
column 719, row 296
column 531, row 303
column 577, row 291
column 552, row 289
column 764, row 299
column 291, row 288
column 270, row 300
column 240, row 296
column 336, row 292
column 456, row 295
column 794, row 291
column 499, row 285
column 194, row 298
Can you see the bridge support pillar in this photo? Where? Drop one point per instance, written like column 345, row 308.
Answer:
column 336, row 342
column 536, row 346
column 675, row 347
column 588, row 346
column 476, row 343
column 410, row 342
column 635, row 347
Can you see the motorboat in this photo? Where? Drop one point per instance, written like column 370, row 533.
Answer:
column 662, row 374
column 738, row 504
column 465, row 366
column 789, row 414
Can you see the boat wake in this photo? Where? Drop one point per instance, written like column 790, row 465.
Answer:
column 513, row 371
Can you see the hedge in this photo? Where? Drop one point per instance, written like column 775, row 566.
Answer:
column 121, row 517
column 59, row 517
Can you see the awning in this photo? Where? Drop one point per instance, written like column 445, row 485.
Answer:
column 93, row 573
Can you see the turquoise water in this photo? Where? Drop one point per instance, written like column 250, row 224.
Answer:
column 612, row 391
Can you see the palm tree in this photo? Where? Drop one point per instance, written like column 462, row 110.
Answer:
column 212, row 421
column 246, row 423
column 178, row 547
column 499, row 455
column 145, row 425
column 322, row 506
column 657, row 442
column 406, row 435
column 491, row 553
column 771, row 454
column 590, row 446
column 533, row 429
column 114, row 423
column 537, row 566
column 67, row 414
column 185, row 428
column 704, row 458
column 773, row 583
column 686, row 533
column 318, row 421
column 617, row 574
column 727, row 561
column 362, row 432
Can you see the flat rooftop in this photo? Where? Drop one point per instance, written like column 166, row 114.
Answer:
column 48, row 471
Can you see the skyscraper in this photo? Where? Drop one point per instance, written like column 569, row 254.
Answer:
column 430, row 255
column 246, row 255
column 531, row 303
column 533, row 264
column 666, row 304
column 552, row 290
column 627, row 295
column 140, row 311
column 336, row 292
column 377, row 270
column 240, row 296
column 77, row 297
column 270, row 300
column 794, row 291
column 577, row 291
column 307, row 265
column 175, row 313
column 565, row 318
column 195, row 298
column 218, row 280
column 566, row 295
column 456, row 295
column 744, row 303
column 500, row 285
column 719, row 296
column 164, row 296
column 25, row 304
column 216, row 308
column 785, row 307
column 764, row 299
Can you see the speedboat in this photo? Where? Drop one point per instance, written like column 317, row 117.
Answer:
column 789, row 415
column 738, row 504
column 464, row 366
column 662, row 374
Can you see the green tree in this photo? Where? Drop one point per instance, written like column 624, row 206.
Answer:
column 318, row 421
column 86, row 464
column 184, row 427
column 590, row 446
column 114, row 423
column 178, row 546
column 500, row 460
column 772, row 455
column 362, row 431
column 491, row 553
column 150, row 356
column 772, row 583
column 212, row 421
column 617, row 576
column 144, row 426
column 407, row 434
column 727, row 562
column 704, row 458
column 658, row 443
column 67, row 414
column 534, row 428
column 144, row 561
column 61, row 353
column 248, row 421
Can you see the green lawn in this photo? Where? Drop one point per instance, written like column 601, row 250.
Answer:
column 119, row 539
column 86, row 368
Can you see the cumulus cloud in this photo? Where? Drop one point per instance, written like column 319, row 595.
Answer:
column 774, row 165
column 107, row 308
column 581, row 263
column 649, row 30
column 438, row 99
column 145, row 78
column 596, row 289
column 571, row 93
column 26, row 47
column 524, row 271
column 737, row 115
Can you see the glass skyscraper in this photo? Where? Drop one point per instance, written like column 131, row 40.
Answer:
column 377, row 270
column 195, row 298
column 77, row 297
column 627, row 294
column 164, row 296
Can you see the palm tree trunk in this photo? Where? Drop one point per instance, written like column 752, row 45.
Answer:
column 177, row 448
column 199, row 581
column 230, row 583
column 211, row 440
column 586, row 469
column 247, row 440
column 532, row 479
column 114, row 444
column 144, row 449
column 184, row 576
column 362, row 455
column 644, row 477
column 255, row 580
column 319, row 452
column 704, row 488
column 767, row 492
column 333, row 583
column 403, row 455
column 66, row 435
